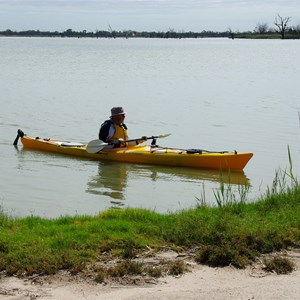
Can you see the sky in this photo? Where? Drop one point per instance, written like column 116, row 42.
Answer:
column 144, row 15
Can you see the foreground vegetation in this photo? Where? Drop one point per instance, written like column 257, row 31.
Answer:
column 230, row 234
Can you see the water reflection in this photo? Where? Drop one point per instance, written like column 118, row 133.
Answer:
column 113, row 179
column 110, row 181
column 188, row 174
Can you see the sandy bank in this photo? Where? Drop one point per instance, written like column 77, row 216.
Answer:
column 201, row 282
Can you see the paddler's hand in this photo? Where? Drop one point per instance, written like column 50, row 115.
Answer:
column 119, row 143
column 142, row 140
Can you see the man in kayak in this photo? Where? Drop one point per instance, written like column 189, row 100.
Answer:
column 115, row 131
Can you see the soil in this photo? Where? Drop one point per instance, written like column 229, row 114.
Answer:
column 199, row 282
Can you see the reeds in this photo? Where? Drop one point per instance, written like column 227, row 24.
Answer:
column 227, row 193
column 283, row 181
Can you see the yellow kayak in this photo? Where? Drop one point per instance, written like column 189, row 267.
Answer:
column 146, row 154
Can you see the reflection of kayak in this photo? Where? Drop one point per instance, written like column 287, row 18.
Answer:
column 114, row 181
column 197, row 175
column 146, row 154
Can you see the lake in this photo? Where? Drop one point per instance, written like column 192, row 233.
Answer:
column 215, row 94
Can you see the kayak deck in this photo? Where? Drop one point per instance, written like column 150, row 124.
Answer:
column 146, row 154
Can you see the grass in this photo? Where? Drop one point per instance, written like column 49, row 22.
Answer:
column 267, row 36
column 233, row 233
column 280, row 265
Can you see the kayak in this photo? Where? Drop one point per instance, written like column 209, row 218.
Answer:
column 145, row 154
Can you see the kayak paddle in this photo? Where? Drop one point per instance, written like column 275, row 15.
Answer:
column 95, row 146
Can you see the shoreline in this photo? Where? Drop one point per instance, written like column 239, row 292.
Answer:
column 201, row 282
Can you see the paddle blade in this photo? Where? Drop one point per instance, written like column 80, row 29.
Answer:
column 163, row 135
column 95, row 146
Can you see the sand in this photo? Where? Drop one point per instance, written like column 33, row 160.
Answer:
column 201, row 282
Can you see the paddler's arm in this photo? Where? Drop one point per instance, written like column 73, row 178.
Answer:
column 134, row 143
column 119, row 143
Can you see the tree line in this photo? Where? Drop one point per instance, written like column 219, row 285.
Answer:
column 262, row 30
column 69, row 33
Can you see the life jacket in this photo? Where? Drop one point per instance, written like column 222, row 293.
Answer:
column 120, row 132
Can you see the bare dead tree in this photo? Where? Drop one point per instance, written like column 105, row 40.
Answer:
column 111, row 31
column 261, row 28
column 281, row 23
column 231, row 33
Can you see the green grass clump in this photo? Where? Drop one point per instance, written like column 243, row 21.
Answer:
column 280, row 265
column 127, row 267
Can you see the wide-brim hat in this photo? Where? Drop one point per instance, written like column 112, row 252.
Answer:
column 115, row 111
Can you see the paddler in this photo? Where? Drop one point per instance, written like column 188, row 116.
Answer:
column 115, row 131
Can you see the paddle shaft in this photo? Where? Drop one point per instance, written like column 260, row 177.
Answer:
column 97, row 145
column 135, row 140
column 146, row 138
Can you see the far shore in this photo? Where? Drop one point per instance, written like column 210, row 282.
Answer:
column 170, row 34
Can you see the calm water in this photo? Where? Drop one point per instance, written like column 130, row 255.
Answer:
column 215, row 94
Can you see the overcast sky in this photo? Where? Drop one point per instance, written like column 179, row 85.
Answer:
column 155, row 15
